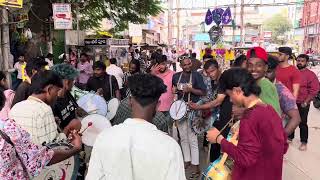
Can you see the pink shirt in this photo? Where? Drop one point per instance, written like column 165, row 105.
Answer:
column 166, row 98
column 84, row 76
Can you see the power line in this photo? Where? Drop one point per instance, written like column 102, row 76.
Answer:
column 245, row 5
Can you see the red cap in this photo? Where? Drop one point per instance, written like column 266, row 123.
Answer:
column 260, row 53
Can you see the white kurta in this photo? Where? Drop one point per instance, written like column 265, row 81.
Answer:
column 135, row 150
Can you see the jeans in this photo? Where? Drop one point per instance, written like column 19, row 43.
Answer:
column 189, row 142
column 304, row 111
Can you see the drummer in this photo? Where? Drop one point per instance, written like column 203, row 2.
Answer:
column 35, row 114
column 100, row 82
column 189, row 86
column 221, row 101
column 64, row 109
column 32, row 156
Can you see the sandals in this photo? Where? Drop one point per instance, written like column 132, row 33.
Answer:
column 195, row 175
column 303, row 147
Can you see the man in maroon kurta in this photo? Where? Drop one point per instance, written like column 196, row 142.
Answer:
column 262, row 144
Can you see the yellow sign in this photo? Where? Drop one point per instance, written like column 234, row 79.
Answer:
column 12, row 3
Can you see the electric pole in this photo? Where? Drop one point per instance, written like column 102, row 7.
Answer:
column 242, row 41
column 170, row 3
column 5, row 47
column 234, row 20
column 178, row 23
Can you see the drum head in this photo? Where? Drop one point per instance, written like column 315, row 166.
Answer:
column 93, row 104
column 99, row 123
column 66, row 169
column 178, row 110
column 112, row 109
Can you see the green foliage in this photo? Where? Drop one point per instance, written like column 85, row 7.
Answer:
column 120, row 12
column 279, row 25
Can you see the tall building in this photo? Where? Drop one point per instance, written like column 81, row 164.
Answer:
column 311, row 25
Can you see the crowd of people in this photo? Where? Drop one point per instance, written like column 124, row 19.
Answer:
column 269, row 96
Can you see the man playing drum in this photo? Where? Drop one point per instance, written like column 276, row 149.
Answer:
column 64, row 109
column 136, row 149
column 26, row 159
column 190, row 87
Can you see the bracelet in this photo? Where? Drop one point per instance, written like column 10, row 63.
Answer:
column 217, row 138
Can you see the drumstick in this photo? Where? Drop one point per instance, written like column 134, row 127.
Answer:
column 89, row 125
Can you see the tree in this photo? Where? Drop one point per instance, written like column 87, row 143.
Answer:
column 279, row 25
column 120, row 12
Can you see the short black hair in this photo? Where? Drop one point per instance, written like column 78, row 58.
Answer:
column 42, row 79
column 239, row 61
column 239, row 77
column 2, row 75
column 100, row 65
column 113, row 61
column 273, row 62
column 36, row 64
column 49, row 55
column 193, row 55
column 303, row 56
column 137, row 63
column 84, row 54
column 210, row 63
column 146, row 88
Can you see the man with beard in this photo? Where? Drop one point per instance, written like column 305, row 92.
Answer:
column 134, row 68
column 286, row 73
column 309, row 88
column 101, row 81
column 189, row 86
column 163, row 72
column 64, row 109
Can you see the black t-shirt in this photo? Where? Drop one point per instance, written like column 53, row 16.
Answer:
column 22, row 93
column 65, row 109
column 225, row 108
column 95, row 83
column 197, row 83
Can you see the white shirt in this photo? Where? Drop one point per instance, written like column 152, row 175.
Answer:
column 117, row 73
column 50, row 63
column 18, row 67
column 35, row 117
column 135, row 150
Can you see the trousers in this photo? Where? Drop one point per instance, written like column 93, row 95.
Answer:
column 189, row 143
column 303, row 126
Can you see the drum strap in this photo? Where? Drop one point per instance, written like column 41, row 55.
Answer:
column 110, row 86
column 8, row 140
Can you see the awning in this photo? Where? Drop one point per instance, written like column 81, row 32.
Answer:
column 201, row 37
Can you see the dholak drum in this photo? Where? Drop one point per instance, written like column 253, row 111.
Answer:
column 99, row 123
column 178, row 110
column 93, row 104
column 202, row 120
column 64, row 170
column 112, row 108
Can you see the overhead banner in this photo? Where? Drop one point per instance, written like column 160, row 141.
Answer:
column 12, row 3
column 62, row 16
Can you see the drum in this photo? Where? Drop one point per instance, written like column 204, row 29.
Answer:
column 78, row 93
column 202, row 120
column 112, row 108
column 99, row 123
column 93, row 104
column 64, row 170
column 178, row 110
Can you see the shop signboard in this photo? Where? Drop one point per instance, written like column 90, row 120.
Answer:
column 62, row 16
column 95, row 42
column 12, row 3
